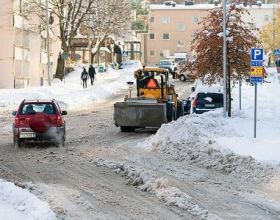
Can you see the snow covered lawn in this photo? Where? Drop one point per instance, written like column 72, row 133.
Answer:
column 18, row 203
column 71, row 94
column 200, row 137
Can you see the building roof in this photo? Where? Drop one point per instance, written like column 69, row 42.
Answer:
column 203, row 7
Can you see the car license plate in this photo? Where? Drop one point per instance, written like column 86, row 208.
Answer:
column 209, row 105
column 27, row 135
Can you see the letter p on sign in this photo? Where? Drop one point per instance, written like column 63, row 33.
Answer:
column 256, row 54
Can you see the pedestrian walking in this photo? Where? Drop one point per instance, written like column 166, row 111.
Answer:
column 84, row 77
column 91, row 72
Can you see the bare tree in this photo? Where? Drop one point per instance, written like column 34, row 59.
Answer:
column 102, row 18
column 70, row 15
column 110, row 18
column 208, row 46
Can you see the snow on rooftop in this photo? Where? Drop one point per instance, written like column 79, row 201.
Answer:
column 209, row 89
column 202, row 7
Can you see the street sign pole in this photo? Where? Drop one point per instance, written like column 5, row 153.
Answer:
column 255, row 111
column 239, row 94
column 64, row 73
column 256, row 76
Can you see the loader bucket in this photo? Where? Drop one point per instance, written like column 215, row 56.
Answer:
column 139, row 114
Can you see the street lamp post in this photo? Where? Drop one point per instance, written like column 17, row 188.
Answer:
column 48, row 43
column 274, row 31
column 224, row 59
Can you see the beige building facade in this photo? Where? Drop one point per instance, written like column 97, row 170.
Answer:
column 171, row 29
column 23, row 54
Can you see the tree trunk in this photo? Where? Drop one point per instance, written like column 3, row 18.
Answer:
column 98, row 44
column 92, row 58
column 59, row 73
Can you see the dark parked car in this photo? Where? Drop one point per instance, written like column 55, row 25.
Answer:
column 204, row 102
column 204, row 99
column 39, row 120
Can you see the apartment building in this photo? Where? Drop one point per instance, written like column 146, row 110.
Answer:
column 171, row 28
column 23, row 54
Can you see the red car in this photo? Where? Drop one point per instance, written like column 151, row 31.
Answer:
column 39, row 120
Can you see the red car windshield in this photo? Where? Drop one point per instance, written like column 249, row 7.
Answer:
column 32, row 108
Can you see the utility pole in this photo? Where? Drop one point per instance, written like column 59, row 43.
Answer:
column 48, row 43
column 274, row 29
column 225, row 58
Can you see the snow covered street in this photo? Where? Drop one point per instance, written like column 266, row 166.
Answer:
column 198, row 167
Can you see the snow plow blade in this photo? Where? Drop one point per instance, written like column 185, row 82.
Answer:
column 139, row 114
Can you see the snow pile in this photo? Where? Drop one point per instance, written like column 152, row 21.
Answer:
column 160, row 187
column 70, row 94
column 18, row 203
column 227, row 145
column 193, row 139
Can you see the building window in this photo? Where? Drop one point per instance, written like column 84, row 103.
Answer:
column 20, row 6
column 165, row 36
column 22, row 54
column 152, row 36
column 127, row 46
column 137, row 47
column 152, row 19
column 181, row 27
column 166, row 53
column 194, row 19
column 165, row 20
column 43, row 44
column 180, row 43
column 152, row 53
column 21, row 38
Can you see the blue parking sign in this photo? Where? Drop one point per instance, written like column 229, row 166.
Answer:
column 256, row 79
column 256, row 54
column 256, row 63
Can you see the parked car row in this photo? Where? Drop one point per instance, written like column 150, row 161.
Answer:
column 177, row 70
column 169, row 65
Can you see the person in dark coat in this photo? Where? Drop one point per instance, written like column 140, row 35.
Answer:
column 91, row 72
column 84, row 77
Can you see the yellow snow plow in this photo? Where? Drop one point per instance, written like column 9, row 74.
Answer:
column 156, row 102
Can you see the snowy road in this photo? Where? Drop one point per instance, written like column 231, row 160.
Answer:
column 96, row 176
